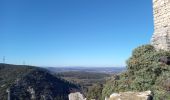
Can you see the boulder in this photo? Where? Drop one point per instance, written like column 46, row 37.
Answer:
column 147, row 95
column 76, row 96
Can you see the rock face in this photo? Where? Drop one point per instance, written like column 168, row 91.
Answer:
column 161, row 36
column 131, row 96
column 76, row 96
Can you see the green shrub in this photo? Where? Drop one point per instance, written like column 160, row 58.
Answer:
column 144, row 72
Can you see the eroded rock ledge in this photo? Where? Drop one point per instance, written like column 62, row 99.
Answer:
column 147, row 95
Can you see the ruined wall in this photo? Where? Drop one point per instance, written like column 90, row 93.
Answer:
column 161, row 36
column 161, row 16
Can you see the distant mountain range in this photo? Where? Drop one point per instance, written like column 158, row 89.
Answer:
column 107, row 70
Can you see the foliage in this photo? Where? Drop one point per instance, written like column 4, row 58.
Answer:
column 144, row 72
column 8, row 75
column 95, row 92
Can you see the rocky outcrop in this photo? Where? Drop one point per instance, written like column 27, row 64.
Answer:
column 76, row 96
column 147, row 95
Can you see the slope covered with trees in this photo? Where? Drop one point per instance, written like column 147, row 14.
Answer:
column 26, row 82
column 8, row 75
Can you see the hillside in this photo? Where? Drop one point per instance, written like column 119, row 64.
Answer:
column 26, row 82
column 145, row 72
column 8, row 74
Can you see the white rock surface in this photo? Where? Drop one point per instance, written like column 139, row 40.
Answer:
column 76, row 96
column 147, row 95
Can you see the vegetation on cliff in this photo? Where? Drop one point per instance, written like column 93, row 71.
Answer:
column 144, row 72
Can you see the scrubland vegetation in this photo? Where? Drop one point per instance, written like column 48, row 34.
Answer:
column 144, row 72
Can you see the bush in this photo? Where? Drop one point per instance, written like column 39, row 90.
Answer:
column 144, row 72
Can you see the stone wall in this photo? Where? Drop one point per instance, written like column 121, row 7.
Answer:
column 161, row 36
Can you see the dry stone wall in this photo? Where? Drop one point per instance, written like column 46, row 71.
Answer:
column 161, row 36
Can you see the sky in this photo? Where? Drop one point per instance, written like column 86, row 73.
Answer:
column 93, row 33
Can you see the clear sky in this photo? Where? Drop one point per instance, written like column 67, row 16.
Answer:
column 73, row 32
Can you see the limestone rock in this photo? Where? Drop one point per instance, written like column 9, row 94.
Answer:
column 131, row 96
column 76, row 96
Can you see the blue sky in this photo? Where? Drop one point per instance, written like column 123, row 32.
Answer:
column 73, row 32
